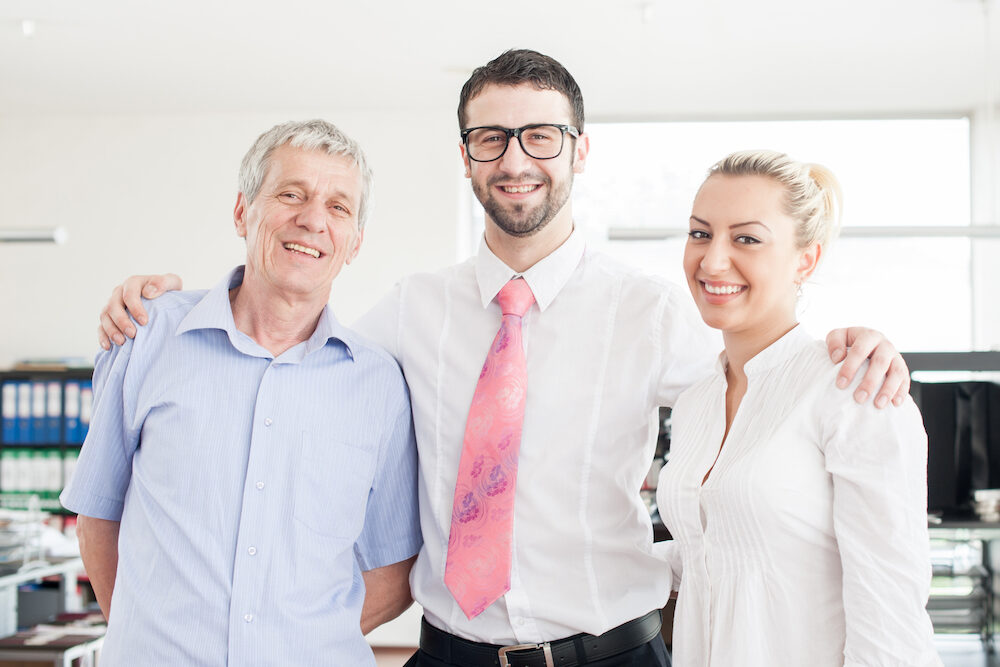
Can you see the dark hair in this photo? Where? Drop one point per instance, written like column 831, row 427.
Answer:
column 518, row 66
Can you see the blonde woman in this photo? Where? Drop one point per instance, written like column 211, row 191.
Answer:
column 798, row 515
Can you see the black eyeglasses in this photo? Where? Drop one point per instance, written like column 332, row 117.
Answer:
column 542, row 142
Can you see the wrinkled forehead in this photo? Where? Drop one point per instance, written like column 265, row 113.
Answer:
column 314, row 168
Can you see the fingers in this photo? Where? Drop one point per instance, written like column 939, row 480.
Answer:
column 130, row 301
column 157, row 285
column 887, row 378
column 102, row 338
column 109, row 332
column 127, row 298
column 115, row 323
column 836, row 345
column 899, row 376
column 873, row 384
column 858, row 345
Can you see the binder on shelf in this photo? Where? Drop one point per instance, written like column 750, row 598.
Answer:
column 36, row 477
column 8, row 470
column 50, row 473
column 24, row 421
column 71, row 412
column 53, row 411
column 86, row 407
column 22, row 471
column 39, row 416
column 69, row 465
column 8, row 406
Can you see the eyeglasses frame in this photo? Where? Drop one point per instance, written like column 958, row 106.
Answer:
column 516, row 132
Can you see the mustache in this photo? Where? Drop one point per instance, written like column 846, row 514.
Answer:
column 525, row 177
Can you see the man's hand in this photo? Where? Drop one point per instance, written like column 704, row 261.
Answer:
column 387, row 594
column 127, row 298
column 855, row 344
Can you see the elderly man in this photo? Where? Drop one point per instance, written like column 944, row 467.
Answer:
column 538, row 549
column 247, row 491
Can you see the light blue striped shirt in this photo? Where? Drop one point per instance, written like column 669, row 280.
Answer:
column 252, row 491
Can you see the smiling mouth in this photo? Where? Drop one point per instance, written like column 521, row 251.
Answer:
column 723, row 289
column 519, row 189
column 305, row 250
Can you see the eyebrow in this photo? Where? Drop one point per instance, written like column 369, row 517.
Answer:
column 300, row 183
column 738, row 224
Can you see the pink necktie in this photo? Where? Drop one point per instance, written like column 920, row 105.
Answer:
column 478, row 568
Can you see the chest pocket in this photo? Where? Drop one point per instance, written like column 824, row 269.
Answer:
column 332, row 485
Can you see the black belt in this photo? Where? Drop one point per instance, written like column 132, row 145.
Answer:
column 569, row 652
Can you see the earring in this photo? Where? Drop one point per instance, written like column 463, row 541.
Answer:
column 798, row 289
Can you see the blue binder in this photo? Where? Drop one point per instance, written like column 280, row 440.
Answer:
column 53, row 411
column 8, row 408
column 71, row 411
column 86, row 407
column 25, row 426
column 39, row 416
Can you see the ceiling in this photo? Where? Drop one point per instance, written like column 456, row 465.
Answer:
column 658, row 58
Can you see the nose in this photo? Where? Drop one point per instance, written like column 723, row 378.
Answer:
column 716, row 259
column 514, row 160
column 312, row 216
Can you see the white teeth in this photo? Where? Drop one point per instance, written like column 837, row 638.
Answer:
column 518, row 188
column 726, row 289
column 302, row 248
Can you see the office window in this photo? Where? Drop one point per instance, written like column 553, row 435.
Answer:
column 895, row 173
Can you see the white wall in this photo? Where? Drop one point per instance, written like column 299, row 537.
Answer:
column 141, row 193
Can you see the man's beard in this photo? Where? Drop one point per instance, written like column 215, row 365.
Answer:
column 517, row 219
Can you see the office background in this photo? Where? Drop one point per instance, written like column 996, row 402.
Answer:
column 124, row 122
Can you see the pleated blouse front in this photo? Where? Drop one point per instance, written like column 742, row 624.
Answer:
column 808, row 543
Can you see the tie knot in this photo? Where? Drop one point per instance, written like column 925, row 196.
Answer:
column 515, row 298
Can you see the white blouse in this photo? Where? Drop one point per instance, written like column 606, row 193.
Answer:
column 808, row 543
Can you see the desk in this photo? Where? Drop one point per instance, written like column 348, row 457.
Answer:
column 66, row 569
column 87, row 649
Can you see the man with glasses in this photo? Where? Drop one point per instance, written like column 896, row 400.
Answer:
column 537, row 546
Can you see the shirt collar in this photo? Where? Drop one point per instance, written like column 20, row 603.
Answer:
column 546, row 278
column 773, row 355
column 214, row 311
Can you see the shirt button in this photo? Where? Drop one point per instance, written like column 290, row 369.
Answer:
column 267, row 422
column 252, row 551
column 260, row 485
column 518, row 622
column 248, row 617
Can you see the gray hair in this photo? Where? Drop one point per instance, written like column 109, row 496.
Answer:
column 310, row 135
column 812, row 193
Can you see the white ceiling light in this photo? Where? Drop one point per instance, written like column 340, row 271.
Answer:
column 28, row 27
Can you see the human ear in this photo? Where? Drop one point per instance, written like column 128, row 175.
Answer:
column 239, row 212
column 808, row 260
column 357, row 247
column 580, row 153
column 465, row 159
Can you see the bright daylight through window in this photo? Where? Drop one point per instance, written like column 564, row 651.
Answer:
column 895, row 173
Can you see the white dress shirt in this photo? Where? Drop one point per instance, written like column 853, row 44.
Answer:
column 605, row 345
column 808, row 543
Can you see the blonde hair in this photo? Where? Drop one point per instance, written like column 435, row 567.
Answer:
column 812, row 193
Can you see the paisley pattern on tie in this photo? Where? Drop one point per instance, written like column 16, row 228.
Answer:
column 477, row 571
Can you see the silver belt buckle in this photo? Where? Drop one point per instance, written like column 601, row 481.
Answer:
column 546, row 651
